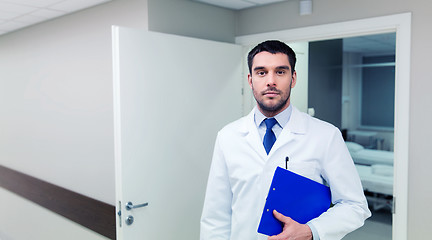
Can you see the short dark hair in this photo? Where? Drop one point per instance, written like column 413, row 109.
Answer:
column 273, row 47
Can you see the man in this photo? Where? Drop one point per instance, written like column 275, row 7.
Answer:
column 244, row 160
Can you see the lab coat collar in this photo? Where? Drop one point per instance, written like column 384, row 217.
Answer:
column 296, row 125
column 298, row 122
column 250, row 131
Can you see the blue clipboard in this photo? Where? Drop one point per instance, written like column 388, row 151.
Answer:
column 295, row 196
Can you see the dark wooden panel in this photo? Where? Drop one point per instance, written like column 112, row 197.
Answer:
column 90, row 213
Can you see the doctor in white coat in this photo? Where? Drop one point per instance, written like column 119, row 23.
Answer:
column 242, row 169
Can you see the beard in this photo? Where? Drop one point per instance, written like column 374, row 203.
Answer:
column 272, row 107
column 275, row 107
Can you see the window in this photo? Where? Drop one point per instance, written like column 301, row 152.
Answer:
column 377, row 91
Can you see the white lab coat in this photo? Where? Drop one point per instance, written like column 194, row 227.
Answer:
column 241, row 173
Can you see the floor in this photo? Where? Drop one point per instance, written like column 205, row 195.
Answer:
column 377, row 227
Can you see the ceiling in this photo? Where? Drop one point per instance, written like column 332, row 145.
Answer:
column 17, row 14
column 238, row 4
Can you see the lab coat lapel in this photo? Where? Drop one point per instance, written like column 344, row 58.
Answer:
column 252, row 136
column 296, row 125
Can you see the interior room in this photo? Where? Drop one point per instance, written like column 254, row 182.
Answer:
column 355, row 91
column 56, row 100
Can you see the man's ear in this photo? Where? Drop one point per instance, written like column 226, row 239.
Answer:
column 294, row 79
column 250, row 80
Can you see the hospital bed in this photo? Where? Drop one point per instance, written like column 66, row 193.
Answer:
column 375, row 168
column 369, row 157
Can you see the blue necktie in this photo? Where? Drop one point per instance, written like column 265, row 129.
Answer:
column 269, row 137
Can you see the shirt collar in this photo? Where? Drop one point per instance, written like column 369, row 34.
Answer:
column 282, row 118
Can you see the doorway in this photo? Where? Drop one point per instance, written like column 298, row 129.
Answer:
column 400, row 25
column 352, row 85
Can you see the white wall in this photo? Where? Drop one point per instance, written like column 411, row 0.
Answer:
column 56, row 119
column 21, row 219
column 299, row 94
column 285, row 16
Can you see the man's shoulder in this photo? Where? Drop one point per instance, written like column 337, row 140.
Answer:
column 321, row 123
column 313, row 124
column 234, row 127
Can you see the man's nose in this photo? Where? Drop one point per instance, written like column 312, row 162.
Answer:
column 271, row 79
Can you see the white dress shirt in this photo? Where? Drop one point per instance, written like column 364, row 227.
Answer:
column 282, row 119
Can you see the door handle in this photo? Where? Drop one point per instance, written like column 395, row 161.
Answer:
column 130, row 206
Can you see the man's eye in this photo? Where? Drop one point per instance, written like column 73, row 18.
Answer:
column 281, row 72
column 261, row 73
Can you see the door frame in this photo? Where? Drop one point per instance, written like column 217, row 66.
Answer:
column 401, row 24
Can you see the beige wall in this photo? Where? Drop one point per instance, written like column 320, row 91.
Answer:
column 56, row 118
column 56, row 98
column 192, row 19
column 285, row 16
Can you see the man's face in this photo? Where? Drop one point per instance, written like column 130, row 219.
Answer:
column 271, row 82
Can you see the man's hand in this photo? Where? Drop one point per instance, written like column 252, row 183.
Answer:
column 292, row 230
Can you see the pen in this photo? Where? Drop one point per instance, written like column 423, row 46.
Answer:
column 286, row 162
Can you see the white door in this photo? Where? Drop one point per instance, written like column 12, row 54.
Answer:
column 171, row 96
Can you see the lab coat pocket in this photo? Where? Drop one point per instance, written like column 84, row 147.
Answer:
column 308, row 169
